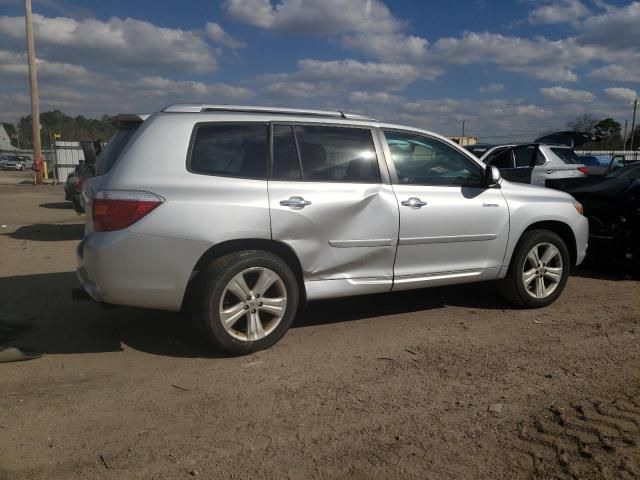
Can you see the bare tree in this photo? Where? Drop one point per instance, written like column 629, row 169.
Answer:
column 583, row 123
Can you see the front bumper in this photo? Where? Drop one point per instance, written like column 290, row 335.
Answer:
column 581, row 231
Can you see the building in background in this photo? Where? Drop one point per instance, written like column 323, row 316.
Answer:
column 466, row 140
column 5, row 141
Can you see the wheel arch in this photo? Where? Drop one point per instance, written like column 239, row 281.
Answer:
column 563, row 230
column 282, row 250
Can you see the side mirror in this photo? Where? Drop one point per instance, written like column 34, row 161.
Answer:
column 493, row 176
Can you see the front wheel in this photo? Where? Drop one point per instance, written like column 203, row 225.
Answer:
column 538, row 271
column 246, row 301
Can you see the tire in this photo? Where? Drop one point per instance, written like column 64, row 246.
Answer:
column 217, row 297
column 514, row 287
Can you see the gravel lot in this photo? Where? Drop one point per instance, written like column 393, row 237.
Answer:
column 447, row 383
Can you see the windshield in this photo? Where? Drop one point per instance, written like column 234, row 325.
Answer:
column 114, row 147
column 567, row 155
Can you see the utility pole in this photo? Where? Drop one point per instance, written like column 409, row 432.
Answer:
column 624, row 137
column 35, row 104
column 462, row 136
column 633, row 122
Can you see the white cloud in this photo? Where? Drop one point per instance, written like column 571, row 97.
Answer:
column 328, row 17
column 567, row 95
column 374, row 98
column 492, row 88
column 616, row 28
column 334, row 77
column 616, row 72
column 620, row 94
column 216, row 33
column 562, row 11
column 129, row 44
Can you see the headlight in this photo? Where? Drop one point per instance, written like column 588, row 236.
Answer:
column 578, row 206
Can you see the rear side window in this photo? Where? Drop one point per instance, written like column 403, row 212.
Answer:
column 524, row 156
column 230, row 150
column 567, row 155
column 114, row 147
column 286, row 164
column 326, row 154
column 500, row 158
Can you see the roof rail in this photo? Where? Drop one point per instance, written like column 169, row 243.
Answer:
column 197, row 108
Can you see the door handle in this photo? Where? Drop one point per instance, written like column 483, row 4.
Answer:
column 413, row 202
column 296, row 203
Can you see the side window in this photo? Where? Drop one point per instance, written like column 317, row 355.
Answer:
column 524, row 156
column 422, row 160
column 337, row 154
column 501, row 159
column 286, row 164
column 230, row 150
column 540, row 158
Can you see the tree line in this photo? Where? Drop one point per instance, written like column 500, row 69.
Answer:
column 63, row 127
column 608, row 130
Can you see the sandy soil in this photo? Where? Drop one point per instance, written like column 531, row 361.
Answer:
column 447, row 383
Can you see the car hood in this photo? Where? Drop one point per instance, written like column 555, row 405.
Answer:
column 533, row 191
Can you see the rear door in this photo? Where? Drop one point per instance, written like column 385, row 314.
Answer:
column 504, row 159
column 331, row 202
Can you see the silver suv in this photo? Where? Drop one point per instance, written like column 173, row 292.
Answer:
column 241, row 214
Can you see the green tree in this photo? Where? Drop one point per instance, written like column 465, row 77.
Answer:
column 70, row 128
column 609, row 130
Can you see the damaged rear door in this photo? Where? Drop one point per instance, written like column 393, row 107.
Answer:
column 332, row 203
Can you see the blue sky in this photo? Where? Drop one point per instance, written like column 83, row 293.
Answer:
column 511, row 69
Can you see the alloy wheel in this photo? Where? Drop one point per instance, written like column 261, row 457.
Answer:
column 253, row 304
column 542, row 270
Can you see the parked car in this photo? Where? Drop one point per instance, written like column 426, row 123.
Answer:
column 240, row 214
column 612, row 206
column 535, row 163
column 70, row 187
column 478, row 149
column 16, row 162
column 596, row 164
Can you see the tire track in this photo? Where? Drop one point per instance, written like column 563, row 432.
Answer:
column 594, row 439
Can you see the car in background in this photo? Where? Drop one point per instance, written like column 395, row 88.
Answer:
column 596, row 164
column 16, row 162
column 478, row 149
column 70, row 187
column 612, row 206
column 535, row 163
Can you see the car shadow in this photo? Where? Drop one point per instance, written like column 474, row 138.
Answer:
column 480, row 295
column 49, row 232
column 612, row 272
column 40, row 307
column 58, row 205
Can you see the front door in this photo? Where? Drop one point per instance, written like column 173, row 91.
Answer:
column 452, row 227
column 329, row 203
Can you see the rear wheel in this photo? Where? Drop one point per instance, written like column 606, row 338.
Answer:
column 246, row 301
column 538, row 271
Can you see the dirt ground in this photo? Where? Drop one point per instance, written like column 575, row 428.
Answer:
column 446, row 383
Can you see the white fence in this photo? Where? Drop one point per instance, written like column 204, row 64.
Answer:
column 67, row 156
column 628, row 154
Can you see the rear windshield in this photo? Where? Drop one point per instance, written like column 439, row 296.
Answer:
column 567, row 155
column 114, row 147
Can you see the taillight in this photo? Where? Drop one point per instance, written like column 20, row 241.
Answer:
column 118, row 209
column 584, row 170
